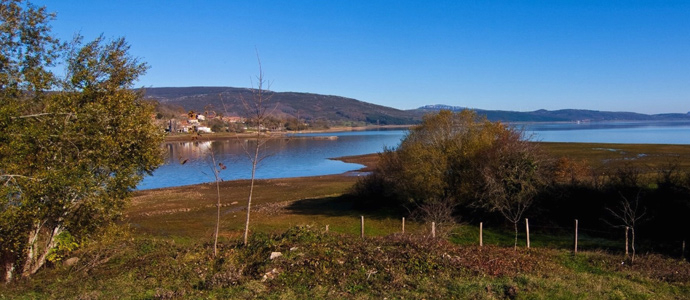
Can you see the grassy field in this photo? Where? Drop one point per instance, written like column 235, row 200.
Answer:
column 166, row 254
column 189, row 212
column 616, row 155
column 318, row 265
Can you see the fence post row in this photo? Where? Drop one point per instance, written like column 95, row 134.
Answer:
column 362, row 226
column 575, row 236
column 527, row 231
column 481, row 238
column 433, row 229
column 481, row 235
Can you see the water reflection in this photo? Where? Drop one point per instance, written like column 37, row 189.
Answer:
column 294, row 157
column 311, row 157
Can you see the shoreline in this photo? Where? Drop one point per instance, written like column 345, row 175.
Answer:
column 655, row 154
column 179, row 137
column 368, row 162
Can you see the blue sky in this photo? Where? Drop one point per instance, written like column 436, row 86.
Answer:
column 509, row 55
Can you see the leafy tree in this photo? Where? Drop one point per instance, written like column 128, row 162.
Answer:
column 513, row 170
column 459, row 160
column 434, row 162
column 71, row 149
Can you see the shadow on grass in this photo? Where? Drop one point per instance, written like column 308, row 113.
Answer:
column 338, row 206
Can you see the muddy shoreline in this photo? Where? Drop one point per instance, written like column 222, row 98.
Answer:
column 177, row 137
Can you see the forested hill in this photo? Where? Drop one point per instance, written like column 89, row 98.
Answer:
column 563, row 115
column 306, row 106
column 348, row 111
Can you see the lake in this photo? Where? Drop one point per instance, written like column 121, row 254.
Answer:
column 305, row 156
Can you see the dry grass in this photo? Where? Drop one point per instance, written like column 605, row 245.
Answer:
column 613, row 156
column 189, row 211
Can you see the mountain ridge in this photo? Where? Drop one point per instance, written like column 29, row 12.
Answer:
column 339, row 110
column 562, row 115
column 305, row 106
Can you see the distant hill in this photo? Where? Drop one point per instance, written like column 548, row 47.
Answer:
column 562, row 115
column 347, row 111
column 307, row 106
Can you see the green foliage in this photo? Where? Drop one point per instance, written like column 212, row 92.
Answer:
column 432, row 161
column 457, row 160
column 65, row 243
column 70, row 150
column 513, row 171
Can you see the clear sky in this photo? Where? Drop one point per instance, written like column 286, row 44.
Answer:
column 614, row 55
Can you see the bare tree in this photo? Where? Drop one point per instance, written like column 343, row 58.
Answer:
column 216, row 167
column 629, row 214
column 439, row 212
column 257, row 110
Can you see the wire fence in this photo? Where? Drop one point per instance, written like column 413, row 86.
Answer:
column 543, row 234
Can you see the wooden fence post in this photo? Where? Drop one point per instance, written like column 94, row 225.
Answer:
column 403, row 225
column 362, row 226
column 575, row 236
column 326, row 228
column 527, row 230
column 626, row 240
column 481, row 237
column 433, row 229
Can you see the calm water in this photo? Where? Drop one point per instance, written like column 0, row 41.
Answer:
column 613, row 132
column 294, row 158
column 311, row 157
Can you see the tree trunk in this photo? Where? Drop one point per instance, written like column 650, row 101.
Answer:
column 31, row 245
column 632, row 243
column 516, row 234
column 8, row 271
column 49, row 246
column 215, row 236
column 32, row 264
column 251, row 191
column 626, row 241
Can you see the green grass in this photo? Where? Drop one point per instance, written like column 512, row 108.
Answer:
column 322, row 265
column 167, row 254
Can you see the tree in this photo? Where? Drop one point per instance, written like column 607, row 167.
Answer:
column 460, row 160
column 513, row 170
column 629, row 214
column 256, row 109
column 433, row 171
column 216, row 168
column 435, row 161
column 72, row 149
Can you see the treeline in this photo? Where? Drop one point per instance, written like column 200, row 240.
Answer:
column 460, row 167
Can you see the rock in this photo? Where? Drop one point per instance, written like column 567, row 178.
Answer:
column 270, row 275
column 71, row 261
column 275, row 255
